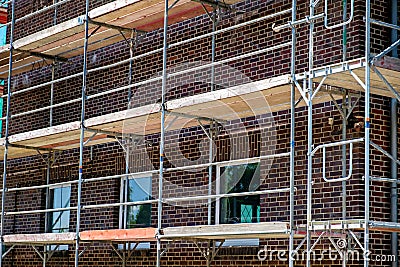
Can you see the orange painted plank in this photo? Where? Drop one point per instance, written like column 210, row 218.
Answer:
column 135, row 234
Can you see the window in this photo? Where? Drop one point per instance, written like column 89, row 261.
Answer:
column 58, row 221
column 238, row 179
column 138, row 189
column 242, row 209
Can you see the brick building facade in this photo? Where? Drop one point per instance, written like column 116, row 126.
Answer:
column 254, row 136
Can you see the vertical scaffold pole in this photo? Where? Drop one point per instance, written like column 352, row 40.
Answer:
column 292, row 136
column 82, row 137
column 344, row 124
column 162, row 137
column 367, row 128
column 50, row 161
column 344, row 162
column 345, row 101
column 6, row 133
column 53, row 70
column 309, row 134
column 394, row 117
column 394, row 188
column 211, row 140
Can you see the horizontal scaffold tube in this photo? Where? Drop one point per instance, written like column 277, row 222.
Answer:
column 358, row 140
column 159, row 78
column 166, row 200
column 141, row 174
column 242, row 194
column 152, row 52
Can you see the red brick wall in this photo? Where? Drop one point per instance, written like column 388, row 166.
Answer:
column 108, row 159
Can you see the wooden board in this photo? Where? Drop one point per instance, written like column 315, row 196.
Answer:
column 261, row 97
column 60, row 137
column 384, row 226
column 388, row 66
column 228, row 231
column 40, row 239
column 66, row 39
column 119, row 235
column 269, row 95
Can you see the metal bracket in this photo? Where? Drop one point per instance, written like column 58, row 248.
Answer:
column 38, row 252
column 94, row 31
column 317, row 241
column 110, row 133
column 117, row 252
column 355, row 238
column 353, row 105
column 89, row 139
column 321, row 83
column 338, row 107
column 386, row 82
column 8, row 251
column 384, row 152
column 110, row 26
column 51, row 157
column 211, row 251
column 335, row 245
column 136, row 37
column 358, row 80
column 41, row 55
column 84, row 249
column 166, row 249
column 296, row 250
column 209, row 133
column 301, row 91
column 127, row 247
column 194, row 117
column 216, row 4
column 39, row 64
column 32, row 148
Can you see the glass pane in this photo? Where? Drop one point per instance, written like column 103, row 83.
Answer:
column 59, row 220
column 139, row 189
column 238, row 179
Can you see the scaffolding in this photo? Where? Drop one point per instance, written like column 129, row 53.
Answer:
column 128, row 21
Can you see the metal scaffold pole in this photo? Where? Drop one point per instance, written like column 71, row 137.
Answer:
column 53, row 70
column 292, row 137
column 50, row 160
column 82, row 134
column 394, row 146
column 214, row 19
column 309, row 134
column 162, row 135
column 6, row 134
column 367, row 129
column 344, row 123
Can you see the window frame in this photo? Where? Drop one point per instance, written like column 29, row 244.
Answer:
column 218, row 184
column 240, row 242
column 124, row 192
column 50, row 201
column 123, row 211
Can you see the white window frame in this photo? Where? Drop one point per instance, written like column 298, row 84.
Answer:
column 51, row 204
column 232, row 242
column 123, row 211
